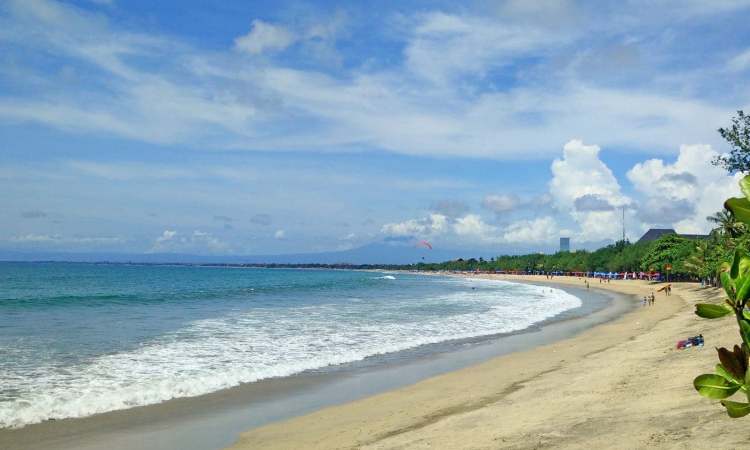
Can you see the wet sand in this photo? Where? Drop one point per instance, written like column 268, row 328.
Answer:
column 618, row 385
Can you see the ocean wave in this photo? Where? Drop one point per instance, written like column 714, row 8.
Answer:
column 214, row 354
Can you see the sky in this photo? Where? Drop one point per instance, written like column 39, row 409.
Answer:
column 239, row 128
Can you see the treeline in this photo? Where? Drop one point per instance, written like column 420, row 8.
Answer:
column 681, row 256
column 685, row 258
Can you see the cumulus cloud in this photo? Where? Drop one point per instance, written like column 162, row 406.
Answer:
column 685, row 192
column 264, row 37
column 592, row 202
column 166, row 236
column 427, row 226
column 500, row 203
column 662, row 213
column 472, row 226
column 543, row 230
column 584, row 187
column 473, row 229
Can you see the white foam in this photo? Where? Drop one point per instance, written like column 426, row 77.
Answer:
column 214, row 354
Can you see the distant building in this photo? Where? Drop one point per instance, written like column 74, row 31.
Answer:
column 655, row 233
column 564, row 244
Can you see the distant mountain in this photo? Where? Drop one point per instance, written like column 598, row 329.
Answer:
column 375, row 253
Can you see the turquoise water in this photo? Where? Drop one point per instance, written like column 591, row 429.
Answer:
column 80, row 339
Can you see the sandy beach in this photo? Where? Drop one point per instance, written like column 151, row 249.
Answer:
column 618, row 385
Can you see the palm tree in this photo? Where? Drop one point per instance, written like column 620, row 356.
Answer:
column 727, row 225
column 697, row 262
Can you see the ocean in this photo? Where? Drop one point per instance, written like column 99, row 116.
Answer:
column 81, row 339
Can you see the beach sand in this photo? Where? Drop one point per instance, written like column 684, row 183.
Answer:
column 619, row 385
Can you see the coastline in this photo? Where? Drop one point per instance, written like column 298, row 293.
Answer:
column 621, row 384
column 215, row 420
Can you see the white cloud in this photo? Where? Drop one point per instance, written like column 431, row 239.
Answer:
column 65, row 240
column 166, row 236
column 264, row 37
column 279, row 234
column 543, row 230
column 444, row 46
column 172, row 241
column 579, row 177
column 430, row 225
column 686, row 191
column 500, row 203
column 472, row 226
column 213, row 99
column 740, row 61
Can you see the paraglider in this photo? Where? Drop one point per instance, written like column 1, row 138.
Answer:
column 424, row 244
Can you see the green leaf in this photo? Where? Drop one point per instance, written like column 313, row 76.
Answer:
column 744, row 288
column 740, row 208
column 711, row 311
column 745, row 331
column 745, row 186
column 714, row 386
column 728, row 284
column 736, row 409
column 734, row 272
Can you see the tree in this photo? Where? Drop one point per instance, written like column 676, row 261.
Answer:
column 670, row 249
column 738, row 137
column 727, row 224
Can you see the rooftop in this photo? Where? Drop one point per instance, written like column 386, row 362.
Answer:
column 655, row 233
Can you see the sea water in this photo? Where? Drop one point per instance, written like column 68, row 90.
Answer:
column 81, row 339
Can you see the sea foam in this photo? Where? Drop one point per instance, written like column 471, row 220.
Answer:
column 217, row 353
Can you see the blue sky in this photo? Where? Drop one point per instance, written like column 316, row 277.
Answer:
column 220, row 127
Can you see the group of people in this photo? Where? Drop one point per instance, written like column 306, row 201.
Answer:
column 649, row 299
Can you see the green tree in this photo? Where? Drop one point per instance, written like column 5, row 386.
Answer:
column 727, row 224
column 669, row 250
column 738, row 137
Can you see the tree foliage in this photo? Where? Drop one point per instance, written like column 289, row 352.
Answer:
column 738, row 137
column 732, row 372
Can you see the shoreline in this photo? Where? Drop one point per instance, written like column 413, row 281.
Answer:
column 221, row 416
column 621, row 384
